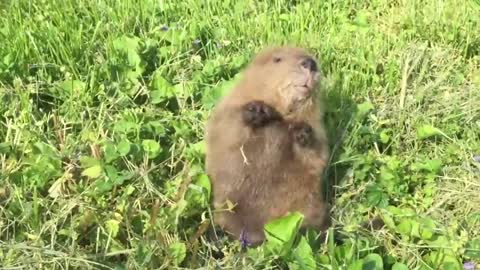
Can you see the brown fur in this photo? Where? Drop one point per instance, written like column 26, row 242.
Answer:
column 267, row 147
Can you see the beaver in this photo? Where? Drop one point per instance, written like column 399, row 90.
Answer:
column 266, row 146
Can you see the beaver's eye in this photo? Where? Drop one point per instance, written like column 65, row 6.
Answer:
column 277, row 59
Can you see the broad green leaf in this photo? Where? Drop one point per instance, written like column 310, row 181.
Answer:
column 389, row 222
column 388, row 179
column 151, row 147
column 44, row 148
column 376, row 197
column 199, row 147
column 356, row 265
column 394, row 163
column 239, row 61
column 110, row 152
column 123, row 147
column 440, row 241
column 303, row 255
column 426, row 228
column 130, row 46
column 111, row 171
column 86, row 161
column 323, row 259
column 161, row 89
column 129, row 190
column 395, row 211
column 204, row 181
column 72, row 86
column 103, row 186
column 427, row 131
column 157, row 127
column 384, row 137
column 372, row 261
column 112, row 227
column 405, row 227
column 125, row 175
column 431, row 165
column 93, row 172
column 362, row 19
column 114, row 178
column 440, row 260
column 399, row 266
column 124, row 126
column 363, row 109
column 280, row 233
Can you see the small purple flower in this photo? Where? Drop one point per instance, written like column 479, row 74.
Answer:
column 469, row 266
column 476, row 158
column 164, row 28
column 243, row 239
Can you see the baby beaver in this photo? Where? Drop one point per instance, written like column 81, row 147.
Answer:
column 267, row 146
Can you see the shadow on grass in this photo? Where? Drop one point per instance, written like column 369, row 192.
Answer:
column 339, row 112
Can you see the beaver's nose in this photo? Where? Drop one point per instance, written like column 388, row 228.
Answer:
column 310, row 64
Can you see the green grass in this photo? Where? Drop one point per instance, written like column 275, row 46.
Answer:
column 102, row 118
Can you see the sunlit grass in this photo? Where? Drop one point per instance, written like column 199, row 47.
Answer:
column 102, row 118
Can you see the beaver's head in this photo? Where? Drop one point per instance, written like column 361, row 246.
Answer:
column 285, row 76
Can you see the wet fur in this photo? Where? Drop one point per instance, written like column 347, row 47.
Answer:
column 266, row 152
